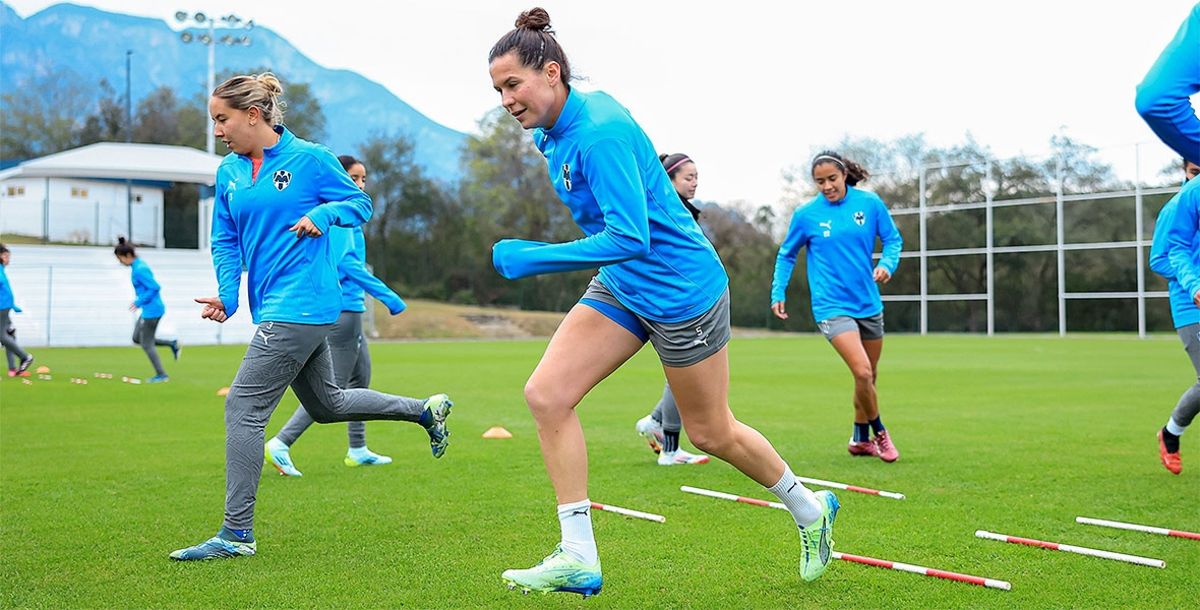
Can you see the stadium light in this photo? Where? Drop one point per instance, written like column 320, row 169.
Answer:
column 210, row 40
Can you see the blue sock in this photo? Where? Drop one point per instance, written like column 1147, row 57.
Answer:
column 877, row 426
column 426, row 420
column 862, row 433
column 236, row 535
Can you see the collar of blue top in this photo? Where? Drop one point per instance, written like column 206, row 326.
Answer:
column 285, row 138
column 571, row 109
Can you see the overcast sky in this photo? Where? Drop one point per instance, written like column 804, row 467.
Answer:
column 748, row 88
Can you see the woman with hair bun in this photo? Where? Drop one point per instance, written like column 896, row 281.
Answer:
column 659, row 280
column 271, row 180
column 839, row 227
column 151, row 304
column 18, row 359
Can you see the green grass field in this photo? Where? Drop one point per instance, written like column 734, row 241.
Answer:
column 1014, row 434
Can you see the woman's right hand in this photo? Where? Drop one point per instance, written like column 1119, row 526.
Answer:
column 778, row 309
column 213, row 310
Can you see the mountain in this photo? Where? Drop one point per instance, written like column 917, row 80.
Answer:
column 92, row 43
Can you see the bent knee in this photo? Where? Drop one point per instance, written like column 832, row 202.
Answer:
column 712, row 439
column 546, row 401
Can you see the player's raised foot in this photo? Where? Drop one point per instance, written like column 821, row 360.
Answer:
column 279, row 455
column 1173, row 461
column 651, row 431
column 559, row 571
column 176, row 349
column 816, row 540
column 159, row 379
column 25, row 364
column 224, row 545
column 361, row 456
column 887, row 450
column 437, row 409
column 863, row 448
column 680, row 457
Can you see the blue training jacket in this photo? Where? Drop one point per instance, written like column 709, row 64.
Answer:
column 1181, row 240
column 146, row 290
column 840, row 238
column 1183, row 309
column 651, row 253
column 6, row 294
column 1163, row 96
column 356, row 281
column 288, row 279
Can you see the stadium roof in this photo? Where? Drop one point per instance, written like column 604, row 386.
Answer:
column 120, row 161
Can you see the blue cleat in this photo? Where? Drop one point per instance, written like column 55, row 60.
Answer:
column 365, row 457
column 278, row 455
column 216, row 548
column 159, row 379
column 816, row 540
column 176, row 349
column 558, row 572
column 438, row 406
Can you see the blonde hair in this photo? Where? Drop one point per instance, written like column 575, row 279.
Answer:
column 262, row 91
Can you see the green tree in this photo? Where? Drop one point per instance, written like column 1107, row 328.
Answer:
column 46, row 115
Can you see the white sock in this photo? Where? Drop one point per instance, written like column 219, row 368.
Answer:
column 800, row 500
column 575, row 519
column 1174, row 428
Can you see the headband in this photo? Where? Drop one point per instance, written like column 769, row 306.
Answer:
column 819, row 158
column 676, row 164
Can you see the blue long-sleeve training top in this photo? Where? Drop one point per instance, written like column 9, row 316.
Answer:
column 1163, row 96
column 6, row 294
column 353, row 276
column 651, row 253
column 288, row 279
column 840, row 238
column 1182, row 237
column 1183, row 309
column 146, row 289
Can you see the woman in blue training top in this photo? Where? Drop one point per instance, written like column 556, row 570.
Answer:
column 1164, row 96
column 347, row 343
column 18, row 359
column 149, row 301
column 839, row 227
column 659, row 279
column 277, row 197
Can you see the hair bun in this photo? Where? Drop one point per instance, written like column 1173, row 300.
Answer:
column 271, row 82
column 121, row 240
column 536, row 19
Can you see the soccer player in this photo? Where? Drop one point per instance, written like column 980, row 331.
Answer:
column 347, row 343
column 659, row 279
column 149, row 301
column 661, row 428
column 1186, row 316
column 277, row 196
column 18, row 359
column 839, row 227
column 1164, row 96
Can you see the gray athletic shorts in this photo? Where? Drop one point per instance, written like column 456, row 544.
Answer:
column 678, row 344
column 868, row 328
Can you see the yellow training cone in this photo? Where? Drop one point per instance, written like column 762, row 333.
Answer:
column 43, row 369
column 223, row 391
column 497, row 432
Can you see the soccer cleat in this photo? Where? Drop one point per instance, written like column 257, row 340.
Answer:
column 1173, row 461
column 863, row 448
column 653, row 433
column 680, row 457
column 816, row 540
column 887, row 451
column 215, row 548
column 25, row 364
column 277, row 454
column 438, row 406
column 559, row 571
column 158, row 379
column 176, row 349
column 365, row 457
column 12, row 372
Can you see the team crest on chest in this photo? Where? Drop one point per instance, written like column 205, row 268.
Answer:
column 860, row 219
column 282, row 179
column 566, row 175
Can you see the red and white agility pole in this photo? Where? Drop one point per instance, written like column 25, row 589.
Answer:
column 1138, row 528
column 862, row 490
column 724, row 496
column 637, row 514
column 1055, row 546
column 924, row 571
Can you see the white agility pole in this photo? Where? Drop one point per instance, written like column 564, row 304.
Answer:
column 1055, row 546
column 924, row 571
column 1138, row 528
column 637, row 514
column 862, row 490
column 724, row 496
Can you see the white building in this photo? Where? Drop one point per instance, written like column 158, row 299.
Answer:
column 96, row 193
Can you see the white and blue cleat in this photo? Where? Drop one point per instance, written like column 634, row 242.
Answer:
column 278, row 455
column 439, row 406
column 559, row 572
column 216, row 548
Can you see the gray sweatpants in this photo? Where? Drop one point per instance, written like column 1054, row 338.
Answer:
column 1189, row 404
column 351, row 369
column 282, row 355
column 9, row 342
column 143, row 335
column 666, row 412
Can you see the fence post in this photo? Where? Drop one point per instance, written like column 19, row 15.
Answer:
column 1060, row 232
column 924, row 259
column 49, row 302
column 989, row 192
column 1139, row 224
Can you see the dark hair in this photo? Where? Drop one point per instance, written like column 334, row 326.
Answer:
column 855, row 173
column 534, row 42
column 1187, row 163
column 123, row 248
column 3, row 249
column 673, row 162
column 349, row 161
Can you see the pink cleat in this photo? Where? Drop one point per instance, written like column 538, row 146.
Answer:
column 887, row 451
column 863, row 448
